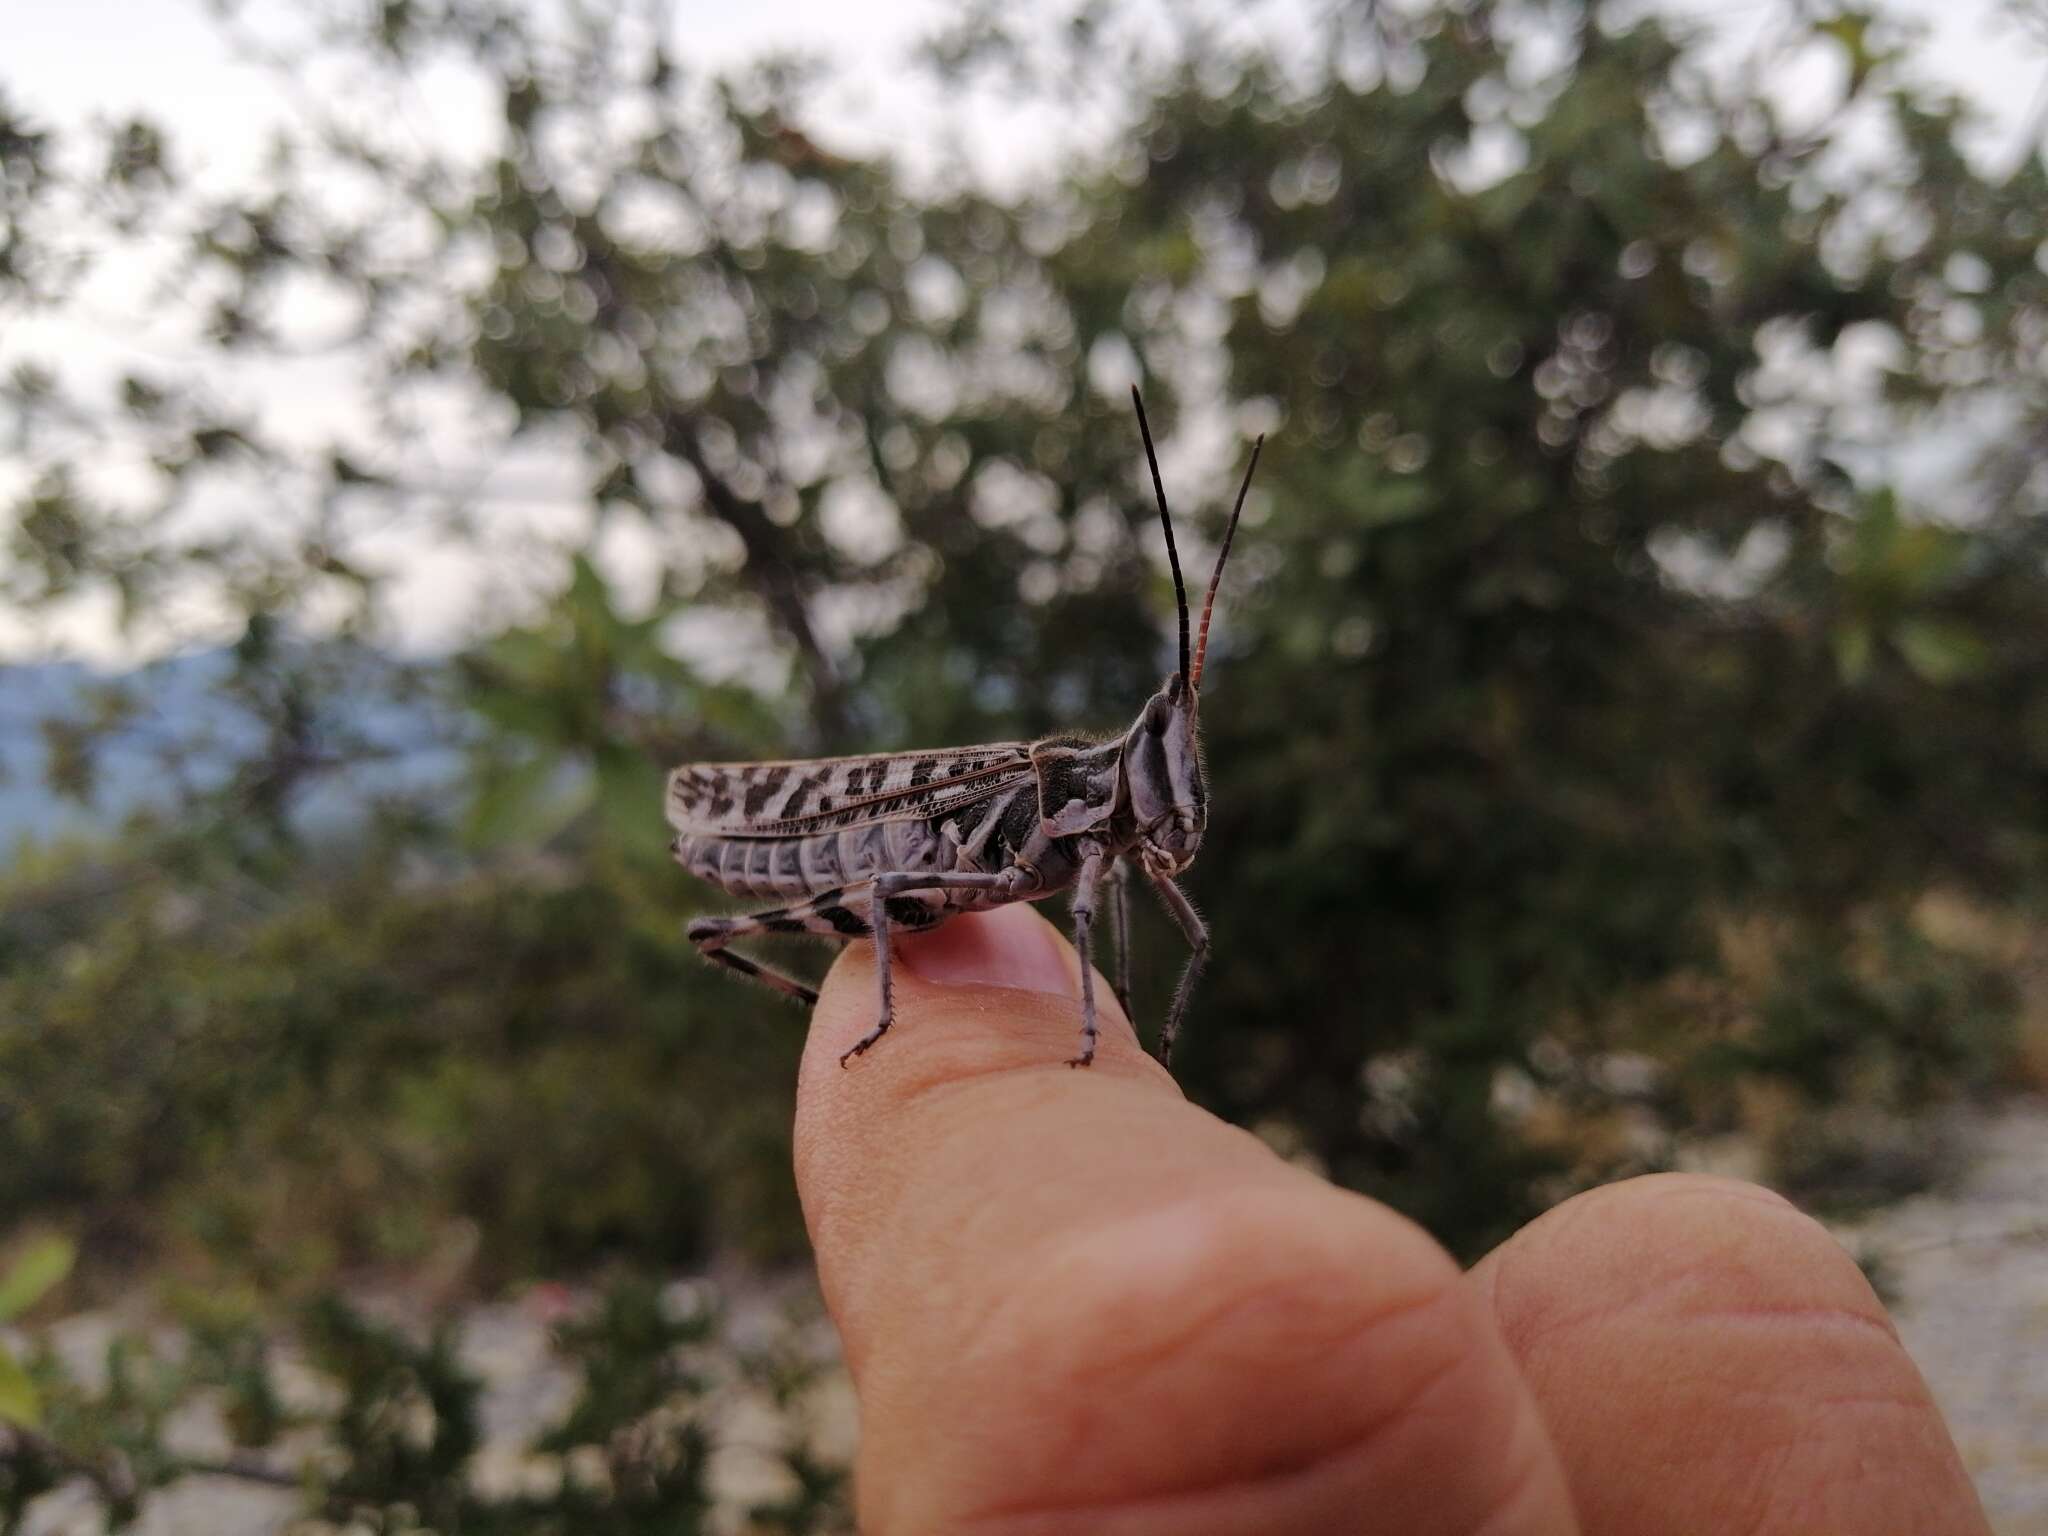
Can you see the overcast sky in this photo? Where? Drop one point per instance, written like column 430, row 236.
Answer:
column 69, row 59
column 66, row 61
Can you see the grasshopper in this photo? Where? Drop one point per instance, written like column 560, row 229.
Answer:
column 900, row 842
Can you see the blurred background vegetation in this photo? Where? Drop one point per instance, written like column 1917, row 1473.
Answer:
column 1628, row 724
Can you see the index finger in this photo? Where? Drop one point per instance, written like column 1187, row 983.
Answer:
column 1071, row 1300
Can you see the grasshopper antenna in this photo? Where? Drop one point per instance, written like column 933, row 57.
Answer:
column 1216, row 578
column 1180, row 591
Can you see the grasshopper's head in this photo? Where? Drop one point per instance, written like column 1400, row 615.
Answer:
column 1162, row 756
column 1162, row 764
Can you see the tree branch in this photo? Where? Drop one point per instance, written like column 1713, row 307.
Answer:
column 771, row 576
column 243, row 1466
column 112, row 1477
column 115, row 1480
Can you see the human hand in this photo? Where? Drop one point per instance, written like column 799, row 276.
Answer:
column 1073, row 1302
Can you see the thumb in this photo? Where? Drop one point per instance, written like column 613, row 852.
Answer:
column 1072, row 1301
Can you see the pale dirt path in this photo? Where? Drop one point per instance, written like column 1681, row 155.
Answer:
column 1967, row 1273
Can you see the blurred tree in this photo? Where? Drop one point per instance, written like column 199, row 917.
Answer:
column 1650, row 556
column 1641, row 617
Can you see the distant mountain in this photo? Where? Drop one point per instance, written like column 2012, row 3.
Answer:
column 365, row 703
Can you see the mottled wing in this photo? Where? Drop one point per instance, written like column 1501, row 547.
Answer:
column 823, row 794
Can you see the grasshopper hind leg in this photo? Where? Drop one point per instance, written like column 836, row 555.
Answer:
column 711, row 935
column 849, row 912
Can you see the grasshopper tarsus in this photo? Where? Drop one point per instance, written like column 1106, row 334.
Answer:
column 1089, row 1035
column 861, row 1046
column 860, row 846
column 887, row 1016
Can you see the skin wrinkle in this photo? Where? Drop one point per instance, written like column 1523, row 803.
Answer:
column 930, row 1222
column 1295, row 1286
column 1656, row 1299
column 1281, row 1469
column 1823, row 1318
column 1416, row 1408
column 1257, row 1506
column 1512, row 1515
column 1306, row 1454
column 1420, row 1416
column 1785, row 1501
column 1689, row 1300
column 1809, row 1432
column 1777, row 1490
column 1904, row 1401
column 1196, row 1296
column 1056, row 1076
column 1763, row 1477
column 1355, row 1454
column 1723, row 1324
column 1706, row 1269
column 934, row 1197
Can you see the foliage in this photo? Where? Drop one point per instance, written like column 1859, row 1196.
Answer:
column 1640, row 615
column 35, row 1272
column 399, row 1435
column 353, row 1075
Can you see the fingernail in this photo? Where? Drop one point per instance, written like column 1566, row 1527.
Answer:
column 1009, row 947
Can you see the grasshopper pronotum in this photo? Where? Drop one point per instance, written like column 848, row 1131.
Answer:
column 902, row 841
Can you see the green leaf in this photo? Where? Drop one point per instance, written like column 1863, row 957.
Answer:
column 523, row 804
column 1940, row 650
column 39, row 1269
column 1852, row 31
column 629, row 797
column 1926, row 556
column 20, row 1402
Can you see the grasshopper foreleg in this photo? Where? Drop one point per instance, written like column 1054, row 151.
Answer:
column 1010, row 883
column 1119, row 876
column 1084, row 919
column 1197, row 933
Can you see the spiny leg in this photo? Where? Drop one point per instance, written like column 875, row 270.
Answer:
column 1197, row 933
column 1010, row 883
column 712, row 934
column 1084, row 919
column 823, row 915
column 1119, row 877
column 885, row 1014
